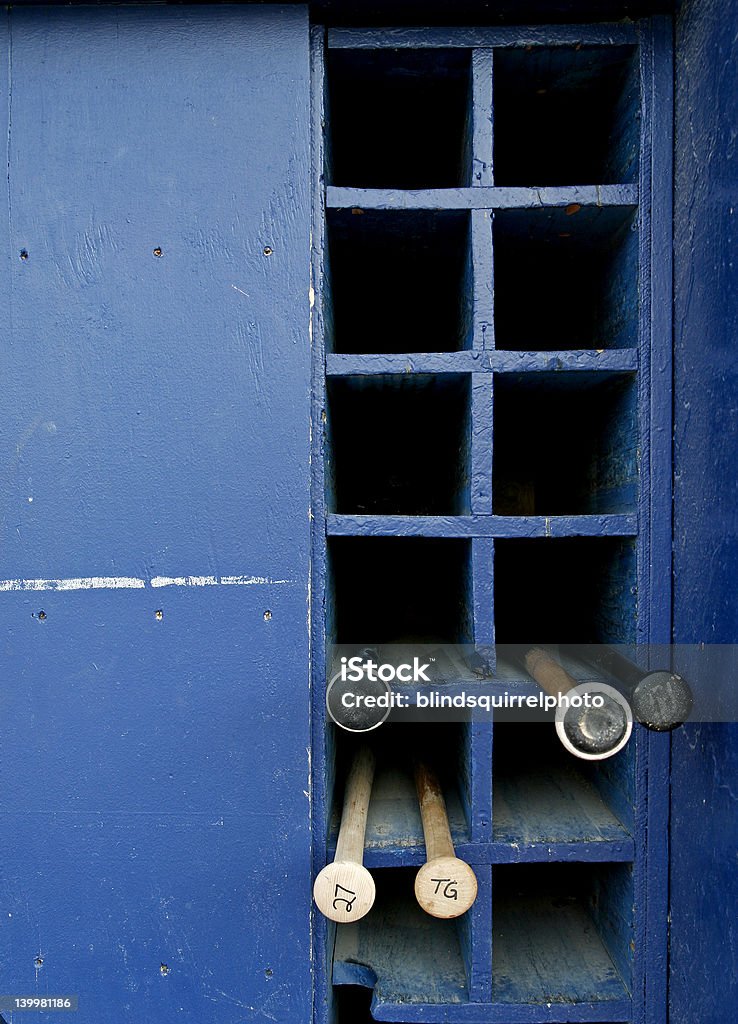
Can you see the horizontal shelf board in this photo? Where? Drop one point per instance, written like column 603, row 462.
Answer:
column 394, row 833
column 481, row 526
column 606, row 34
column 482, row 197
column 501, row 852
column 548, row 950
column 609, row 1012
column 625, row 360
column 551, row 804
column 411, row 955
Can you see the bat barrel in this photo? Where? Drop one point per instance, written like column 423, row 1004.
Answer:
column 595, row 722
column 660, row 700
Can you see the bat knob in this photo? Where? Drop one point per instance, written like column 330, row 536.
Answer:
column 594, row 729
column 445, row 887
column 662, row 701
column 344, row 891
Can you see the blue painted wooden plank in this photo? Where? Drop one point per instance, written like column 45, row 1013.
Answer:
column 705, row 757
column 503, row 36
column 475, row 934
column 480, row 455
column 483, row 596
column 482, row 138
column 703, row 980
column 504, row 852
column 483, row 275
column 322, row 758
column 481, row 197
column 481, row 526
column 608, row 1012
column 659, row 102
column 550, row 803
column 489, row 361
column 146, row 783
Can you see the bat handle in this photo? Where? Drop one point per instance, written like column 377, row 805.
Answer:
column 445, row 886
column 344, row 891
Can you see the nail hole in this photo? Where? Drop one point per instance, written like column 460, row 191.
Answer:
column 158, row 252
column 159, row 614
column 24, row 254
column 267, row 616
column 164, row 969
column 268, row 972
column 42, row 615
column 268, row 251
column 39, row 961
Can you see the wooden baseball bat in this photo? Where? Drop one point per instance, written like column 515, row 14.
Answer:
column 445, row 886
column 590, row 733
column 344, row 890
column 661, row 700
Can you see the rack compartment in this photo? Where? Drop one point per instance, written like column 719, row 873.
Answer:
column 399, row 118
column 565, row 444
column 566, row 590
column 566, row 115
column 562, row 933
column 400, row 444
column 400, row 281
column 566, row 278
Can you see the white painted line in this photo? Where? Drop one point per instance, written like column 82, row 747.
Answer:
column 80, row 583
column 215, row 581
column 249, row 581
column 133, row 583
column 184, row 581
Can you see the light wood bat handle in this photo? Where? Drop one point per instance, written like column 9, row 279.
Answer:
column 445, row 886
column 344, row 890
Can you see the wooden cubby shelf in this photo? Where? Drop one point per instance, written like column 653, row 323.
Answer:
column 489, row 362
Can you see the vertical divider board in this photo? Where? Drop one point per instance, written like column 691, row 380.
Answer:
column 322, row 931
column 480, row 734
column 651, row 752
column 655, row 514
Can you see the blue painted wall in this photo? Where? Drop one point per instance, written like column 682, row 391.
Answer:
column 704, row 815
column 154, row 421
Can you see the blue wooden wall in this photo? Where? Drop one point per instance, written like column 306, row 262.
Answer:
column 704, row 815
column 154, row 425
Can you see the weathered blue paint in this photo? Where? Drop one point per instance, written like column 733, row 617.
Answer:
column 483, row 197
column 482, row 106
column 481, row 526
column 321, row 610
column 504, row 36
column 487, row 361
column 704, row 832
column 155, row 368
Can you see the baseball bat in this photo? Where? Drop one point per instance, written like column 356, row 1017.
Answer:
column 445, row 886
column 344, row 890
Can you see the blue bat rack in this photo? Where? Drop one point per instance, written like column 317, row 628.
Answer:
column 492, row 407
